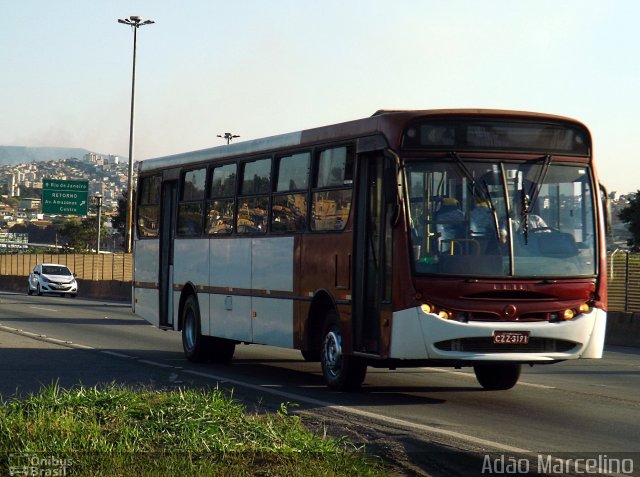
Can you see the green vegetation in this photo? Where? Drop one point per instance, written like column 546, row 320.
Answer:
column 114, row 431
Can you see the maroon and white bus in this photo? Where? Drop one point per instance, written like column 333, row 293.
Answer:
column 409, row 238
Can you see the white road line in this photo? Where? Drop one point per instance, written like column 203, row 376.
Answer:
column 43, row 308
column 314, row 402
column 119, row 355
column 160, row 365
column 471, row 375
column 366, row 414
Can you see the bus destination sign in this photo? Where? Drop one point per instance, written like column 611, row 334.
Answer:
column 65, row 197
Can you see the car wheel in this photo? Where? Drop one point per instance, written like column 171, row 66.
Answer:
column 39, row 290
column 29, row 290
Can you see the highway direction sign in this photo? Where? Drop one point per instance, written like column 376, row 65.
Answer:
column 65, row 197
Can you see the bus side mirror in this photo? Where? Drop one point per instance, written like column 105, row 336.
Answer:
column 392, row 199
column 606, row 207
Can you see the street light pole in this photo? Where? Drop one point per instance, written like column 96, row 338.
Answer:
column 134, row 22
column 98, row 199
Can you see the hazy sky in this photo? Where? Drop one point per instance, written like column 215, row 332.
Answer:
column 263, row 67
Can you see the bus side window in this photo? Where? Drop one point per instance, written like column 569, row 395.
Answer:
column 333, row 189
column 289, row 207
column 148, row 210
column 190, row 206
column 221, row 204
column 253, row 203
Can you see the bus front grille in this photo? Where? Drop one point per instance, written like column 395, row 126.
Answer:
column 486, row 345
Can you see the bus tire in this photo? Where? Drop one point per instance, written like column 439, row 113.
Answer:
column 497, row 377
column 340, row 372
column 193, row 344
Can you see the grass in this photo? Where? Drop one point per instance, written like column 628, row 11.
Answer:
column 115, row 431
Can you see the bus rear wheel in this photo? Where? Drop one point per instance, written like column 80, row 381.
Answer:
column 193, row 343
column 341, row 372
column 198, row 348
column 497, row 377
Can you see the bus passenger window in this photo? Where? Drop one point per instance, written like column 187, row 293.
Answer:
column 220, row 215
column 148, row 210
column 332, row 194
column 190, row 206
column 221, row 204
column 289, row 209
column 253, row 204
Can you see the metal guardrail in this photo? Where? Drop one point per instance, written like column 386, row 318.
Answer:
column 623, row 271
column 111, row 266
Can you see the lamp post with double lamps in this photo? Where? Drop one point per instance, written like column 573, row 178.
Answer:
column 134, row 22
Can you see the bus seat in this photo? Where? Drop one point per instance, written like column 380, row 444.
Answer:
column 556, row 244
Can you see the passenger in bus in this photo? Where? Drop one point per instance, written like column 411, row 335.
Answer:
column 534, row 221
column 481, row 221
column 449, row 223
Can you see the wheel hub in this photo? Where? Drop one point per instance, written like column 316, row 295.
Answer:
column 333, row 352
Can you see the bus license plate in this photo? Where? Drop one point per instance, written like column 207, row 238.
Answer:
column 511, row 337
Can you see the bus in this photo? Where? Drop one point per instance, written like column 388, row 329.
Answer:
column 448, row 238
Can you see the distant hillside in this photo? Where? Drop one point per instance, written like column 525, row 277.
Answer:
column 10, row 155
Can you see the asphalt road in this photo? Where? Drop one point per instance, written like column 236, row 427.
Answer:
column 427, row 421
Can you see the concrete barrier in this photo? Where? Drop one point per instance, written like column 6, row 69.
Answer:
column 105, row 289
column 623, row 329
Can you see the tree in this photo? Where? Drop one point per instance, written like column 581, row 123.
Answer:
column 119, row 220
column 631, row 215
column 81, row 237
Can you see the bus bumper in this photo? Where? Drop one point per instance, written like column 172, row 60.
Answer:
column 419, row 335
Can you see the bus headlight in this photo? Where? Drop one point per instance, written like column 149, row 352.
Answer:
column 571, row 313
column 445, row 315
column 426, row 308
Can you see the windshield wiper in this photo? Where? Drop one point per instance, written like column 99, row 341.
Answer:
column 537, row 183
column 531, row 197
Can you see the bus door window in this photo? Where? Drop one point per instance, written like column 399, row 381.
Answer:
column 289, row 208
column 221, row 204
column 253, row 204
column 148, row 210
column 190, row 208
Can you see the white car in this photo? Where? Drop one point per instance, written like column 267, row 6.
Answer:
column 52, row 278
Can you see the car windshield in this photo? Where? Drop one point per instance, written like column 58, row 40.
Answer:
column 501, row 218
column 55, row 270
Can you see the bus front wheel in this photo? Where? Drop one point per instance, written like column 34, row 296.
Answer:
column 341, row 372
column 497, row 377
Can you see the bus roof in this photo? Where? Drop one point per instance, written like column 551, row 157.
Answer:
column 382, row 121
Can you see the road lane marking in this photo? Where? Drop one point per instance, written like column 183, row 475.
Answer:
column 160, row 365
column 45, row 338
column 118, row 355
column 43, row 308
column 369, row 415
column 471, row 375
column 314, row 402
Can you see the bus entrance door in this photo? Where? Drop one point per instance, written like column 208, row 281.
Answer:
column 372, row 253
column 169, row 200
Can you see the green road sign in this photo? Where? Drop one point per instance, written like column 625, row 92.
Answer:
column 65, row 197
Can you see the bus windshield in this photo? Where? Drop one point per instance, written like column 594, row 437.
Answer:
column 501, row 218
